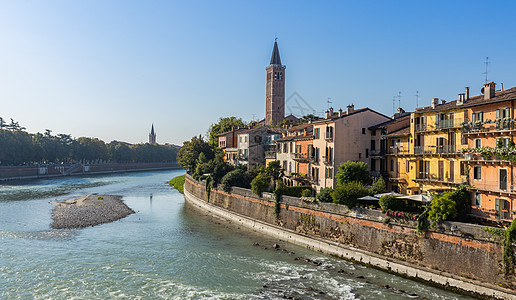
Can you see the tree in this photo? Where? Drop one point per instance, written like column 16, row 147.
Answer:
column 352, row 171
column 348, row 193
column 189, row 153
column 442, row 208
column 223, row 125
column 378, row 186
column 260, row 183
column 390, row 202
column 325, row 195
column 309, row 117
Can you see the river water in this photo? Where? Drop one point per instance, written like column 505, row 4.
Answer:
column 165, row 251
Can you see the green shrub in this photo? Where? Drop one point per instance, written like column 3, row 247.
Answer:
column 378, row 186
column 325, row 195
column 295, row 191
column 260, row 184
column 178, row 183
column 100, row 198
column 234, row 178
column 306, row 193
column 348, row 193
column 390, row 202
column 442, row 208
column 352, row 171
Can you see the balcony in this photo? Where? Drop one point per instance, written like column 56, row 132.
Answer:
column 329, row 136
column 435, row 150
column 270, row 154
column 326, row 160
column 445, row 149
column 502, row 187
column 300, row 157
column 377, row 153
column 431, row 178
column 397, row 150
column 498, row 126
column 420, row 127
column 441, row 125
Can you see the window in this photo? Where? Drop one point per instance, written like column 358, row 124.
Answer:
column 363, row 130
column 392, row 165
column 366, row 153
column 407, row 167
column 373, row 164
column 463, row 168
column 463, row 139
column 478, row 200
column 502, row 142
column 373, row 145
column 477, row 117
column 478, row 143
column 477, row 173
column 359, row 155
column 316, row 133
column 373, row 133
column 280, row 76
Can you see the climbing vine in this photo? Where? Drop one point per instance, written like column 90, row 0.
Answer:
column 422, row 221
column 277, row 198
column 508, row 250
column 209, row 183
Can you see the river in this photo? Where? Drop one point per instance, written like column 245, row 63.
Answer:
column 165, row 251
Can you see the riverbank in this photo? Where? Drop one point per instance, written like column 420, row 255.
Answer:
column 89, row 210
column 60, row 170
column 465, row 260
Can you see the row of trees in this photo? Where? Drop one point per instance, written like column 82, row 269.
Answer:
column 18, row 147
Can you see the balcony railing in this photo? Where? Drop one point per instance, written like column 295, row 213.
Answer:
column 377, row 153
column 499, row 187
column 329, row 136
column 326, row 160
column 440, row 149
column 445, row 149
column 489, row 126
column 270, row 155
column 301, row 157
column 442, row 124
column 396, row 150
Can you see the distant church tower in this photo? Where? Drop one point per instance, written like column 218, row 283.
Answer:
column 152, row 136
column 275, row 91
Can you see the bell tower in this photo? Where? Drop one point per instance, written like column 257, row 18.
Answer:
column 275, row 89
column 152, row 136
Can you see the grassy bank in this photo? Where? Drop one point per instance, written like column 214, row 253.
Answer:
column 177, row 183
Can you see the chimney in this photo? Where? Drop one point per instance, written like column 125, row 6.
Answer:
column 467, row 94
column 401, row 110
column 340, row 112
column 350, row 108
column 502, row 86
column 327, row 114
column 443, row 101
column 435, row 102
column 489, row 90
column 461, row 99
column 331, row 112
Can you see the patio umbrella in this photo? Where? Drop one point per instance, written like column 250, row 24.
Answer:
column 371, row 198
column 387, row 194
column 419, row 197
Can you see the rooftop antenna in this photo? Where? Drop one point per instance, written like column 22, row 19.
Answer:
column 417, row 99
column 399, row 99
column 329, row 102
column 486, row 63
column 393, row 104
column 254, row 116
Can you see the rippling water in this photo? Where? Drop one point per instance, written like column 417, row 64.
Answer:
column 165, row 251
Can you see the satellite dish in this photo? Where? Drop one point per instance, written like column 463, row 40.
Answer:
column 482, row 90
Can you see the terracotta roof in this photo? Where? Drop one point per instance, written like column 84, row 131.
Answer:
column 300, row 127
column 236, row 131
column 504, row 95
column 392, row 121
column 401, row 132
column 356, row 111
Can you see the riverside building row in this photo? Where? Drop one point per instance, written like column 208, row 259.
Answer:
column 433, row 149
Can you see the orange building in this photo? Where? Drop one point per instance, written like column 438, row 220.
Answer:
column 491, row 123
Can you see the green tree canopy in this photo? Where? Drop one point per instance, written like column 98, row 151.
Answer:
column 352, row 171
column 223, row 125
column 189, row 154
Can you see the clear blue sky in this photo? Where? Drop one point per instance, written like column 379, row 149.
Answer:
column 109, row 69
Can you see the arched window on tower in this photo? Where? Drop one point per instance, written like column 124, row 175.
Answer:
column 275, row 75
column 280, row 76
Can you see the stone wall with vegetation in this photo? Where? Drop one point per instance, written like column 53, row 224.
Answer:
column 465, row 250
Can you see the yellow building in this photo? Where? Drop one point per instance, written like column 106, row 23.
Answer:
column 436, row 138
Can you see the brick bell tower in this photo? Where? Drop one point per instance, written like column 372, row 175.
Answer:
column 275, row 91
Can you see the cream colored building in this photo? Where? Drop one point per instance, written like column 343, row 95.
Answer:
column 340, row 137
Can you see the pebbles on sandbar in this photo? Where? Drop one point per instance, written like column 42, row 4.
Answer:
column 89, row 210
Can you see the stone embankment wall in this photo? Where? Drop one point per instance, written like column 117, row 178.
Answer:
column 466, row 252
column 12, row 173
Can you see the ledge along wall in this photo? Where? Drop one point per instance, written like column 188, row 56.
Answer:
column 458, row 256
column 13, row 173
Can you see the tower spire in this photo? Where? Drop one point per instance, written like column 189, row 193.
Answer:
column 152, row 135
column 275, row 58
